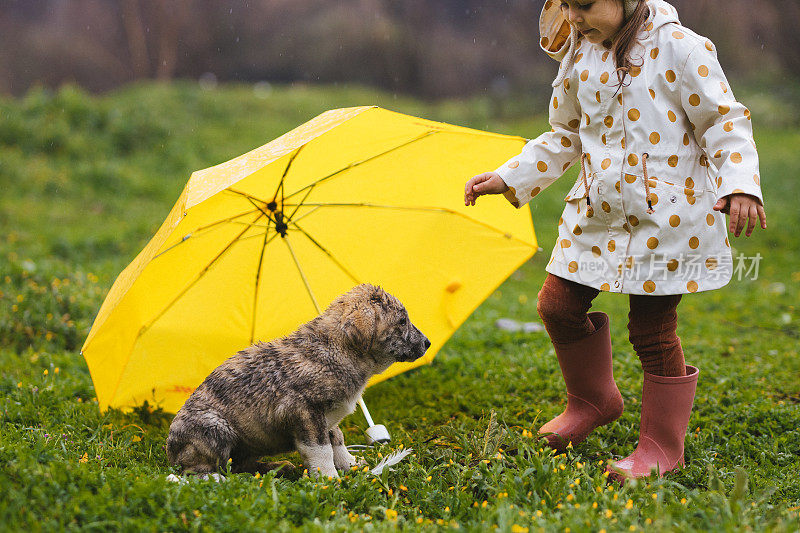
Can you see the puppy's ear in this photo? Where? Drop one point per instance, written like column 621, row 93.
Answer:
column 359, row 328
column 380, row 299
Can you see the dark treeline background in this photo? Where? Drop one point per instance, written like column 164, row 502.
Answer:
column 427, row 48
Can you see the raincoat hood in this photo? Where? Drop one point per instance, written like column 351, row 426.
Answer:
column 559, row 39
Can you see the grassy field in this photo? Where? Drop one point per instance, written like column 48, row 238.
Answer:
column 85, row 182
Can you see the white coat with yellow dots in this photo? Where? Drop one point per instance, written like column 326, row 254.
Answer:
column 658, row 152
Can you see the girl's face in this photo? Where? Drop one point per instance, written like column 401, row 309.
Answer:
column 597, row 20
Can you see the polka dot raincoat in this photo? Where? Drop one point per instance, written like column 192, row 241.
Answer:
column 657, row 153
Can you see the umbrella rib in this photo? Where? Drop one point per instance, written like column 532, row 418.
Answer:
column 300, row 203
column 317, row 206
column 303, row 276
column 240, row 193
column 249, row 199
column 381, row 206
column 258, row 283
column 285, row 172
column 178, row 297
column 443, row 210
column 328, row 253
column 224, row 220
column 353, row 165
column 203, row 229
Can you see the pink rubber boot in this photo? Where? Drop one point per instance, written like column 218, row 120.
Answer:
column 666, row 406
column 593, row 398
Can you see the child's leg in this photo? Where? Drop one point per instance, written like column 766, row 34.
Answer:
column 667, row 392
column 582, row 344
column 652, row 325
column 563, row 306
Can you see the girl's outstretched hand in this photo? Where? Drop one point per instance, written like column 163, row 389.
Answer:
column 486, row 183
column 742, row 209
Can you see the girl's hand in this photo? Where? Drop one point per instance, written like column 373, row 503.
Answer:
column 486, row 183
column 742, row 208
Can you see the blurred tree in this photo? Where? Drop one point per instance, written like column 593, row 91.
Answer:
column 430, row 48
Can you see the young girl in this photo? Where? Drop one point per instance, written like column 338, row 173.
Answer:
column 665, row 150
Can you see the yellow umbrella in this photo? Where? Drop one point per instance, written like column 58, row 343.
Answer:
column 258, row 245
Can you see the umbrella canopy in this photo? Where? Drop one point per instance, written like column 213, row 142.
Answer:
column 258, row 245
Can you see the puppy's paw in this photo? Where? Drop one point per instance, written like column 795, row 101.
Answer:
column 214, row 476
column 325, row 472
column 343, row 460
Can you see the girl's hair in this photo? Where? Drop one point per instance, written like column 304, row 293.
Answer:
column 626, row 38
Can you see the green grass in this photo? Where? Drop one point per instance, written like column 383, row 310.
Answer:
column 86, row 181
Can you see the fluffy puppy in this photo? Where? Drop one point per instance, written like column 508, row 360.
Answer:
column 291, row 393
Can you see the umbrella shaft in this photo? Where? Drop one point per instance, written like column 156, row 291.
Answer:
column 364, row 409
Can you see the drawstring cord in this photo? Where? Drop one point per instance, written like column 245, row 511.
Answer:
column 625, row 71
column 585, row 183
column 646, row 184
column 645, row 155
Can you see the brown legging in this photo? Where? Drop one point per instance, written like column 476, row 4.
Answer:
column 652, row 323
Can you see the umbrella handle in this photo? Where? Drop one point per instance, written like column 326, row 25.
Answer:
column 364, row 410
column 375, row 432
